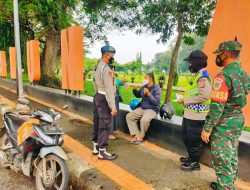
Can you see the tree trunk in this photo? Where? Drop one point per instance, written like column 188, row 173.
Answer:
column 174, row 59
column 51, row 55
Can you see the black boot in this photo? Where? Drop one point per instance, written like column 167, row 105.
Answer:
column 185, row 159
column 104, row 155
column 214, row 186
column 190, row 166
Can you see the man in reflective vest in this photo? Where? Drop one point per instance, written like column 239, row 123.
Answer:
column 196, row 106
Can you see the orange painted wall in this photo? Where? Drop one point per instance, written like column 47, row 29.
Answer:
column 231, row 18
column 3, row 66
column 33, row 60
column 72, row 58
column 64, row 58
column 12, row 54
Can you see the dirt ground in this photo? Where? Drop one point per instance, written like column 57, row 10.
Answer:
column 10, row 180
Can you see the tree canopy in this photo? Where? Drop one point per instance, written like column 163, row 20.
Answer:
column 167, row 17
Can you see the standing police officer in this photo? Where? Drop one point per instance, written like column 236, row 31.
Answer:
column 225, row 120
column 196, row 106
column 104, row 103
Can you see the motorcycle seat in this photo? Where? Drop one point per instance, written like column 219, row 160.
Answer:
column 14, row 122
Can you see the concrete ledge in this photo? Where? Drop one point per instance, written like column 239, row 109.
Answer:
column 164, row 133
column 84, row 176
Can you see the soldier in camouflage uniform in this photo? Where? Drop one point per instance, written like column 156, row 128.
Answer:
column 225, row 120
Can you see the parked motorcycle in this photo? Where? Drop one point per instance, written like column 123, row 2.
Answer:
column 35, row 148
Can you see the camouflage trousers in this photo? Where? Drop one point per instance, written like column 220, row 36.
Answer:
column 225, row 160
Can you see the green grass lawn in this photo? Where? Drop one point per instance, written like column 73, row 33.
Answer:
column 127, row 94
column 247, row 129
column 182, row 82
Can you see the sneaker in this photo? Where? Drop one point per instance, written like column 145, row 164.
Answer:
column 214, row 186
column 137, row 142
column 185, row 159
column 104, row 155
column 190, row 166
column 95, row 149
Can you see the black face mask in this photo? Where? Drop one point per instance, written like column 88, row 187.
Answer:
column 193, row 69
column 111, row 60
column 219, row 61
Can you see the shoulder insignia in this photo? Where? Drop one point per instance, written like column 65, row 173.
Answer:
column 220, row 90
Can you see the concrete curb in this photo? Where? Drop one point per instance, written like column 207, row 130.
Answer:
column 85, row 177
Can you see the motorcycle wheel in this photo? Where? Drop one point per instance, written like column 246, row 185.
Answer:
column 57, row 175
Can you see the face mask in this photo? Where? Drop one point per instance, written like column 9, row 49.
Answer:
column 111, row 60
column 219, row 61
column 145, row 81
column 193, row 69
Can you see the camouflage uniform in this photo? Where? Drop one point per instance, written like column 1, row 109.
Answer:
column 225, row 118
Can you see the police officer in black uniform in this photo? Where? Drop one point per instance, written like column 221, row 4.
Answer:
column 104, row 104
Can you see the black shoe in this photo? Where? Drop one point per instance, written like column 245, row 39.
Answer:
column 95, row 150
column 214, row 186
column 185, row 159
column 104, row 155
column 190, row 166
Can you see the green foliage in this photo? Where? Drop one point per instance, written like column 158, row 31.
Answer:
column 247, row 129
column 188, row 40
column 44, row 19
column 161, row 16
column 176, row 78
column 89, row 64
column 162, row 60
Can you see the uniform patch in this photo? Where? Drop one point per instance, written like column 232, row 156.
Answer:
column 220, row 90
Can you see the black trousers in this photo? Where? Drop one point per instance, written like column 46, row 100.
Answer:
column 192, row 138
column 115, row 118
column 102, row 121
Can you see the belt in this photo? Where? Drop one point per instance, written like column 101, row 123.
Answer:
column 101, row 92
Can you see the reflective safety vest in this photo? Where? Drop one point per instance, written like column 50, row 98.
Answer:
column 192, row 89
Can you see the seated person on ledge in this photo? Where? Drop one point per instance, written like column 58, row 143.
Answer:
column 148, row 110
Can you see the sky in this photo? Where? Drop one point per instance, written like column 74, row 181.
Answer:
column 128, row 44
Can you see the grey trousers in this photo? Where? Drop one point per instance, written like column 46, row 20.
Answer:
column 145, row 116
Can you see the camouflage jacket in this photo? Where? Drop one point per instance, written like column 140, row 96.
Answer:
column 229, row 94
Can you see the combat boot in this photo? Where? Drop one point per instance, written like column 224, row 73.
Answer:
column 214, row 186
column 185, row 159
column 104, row 155
column 95, row 149
column 190, row 166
